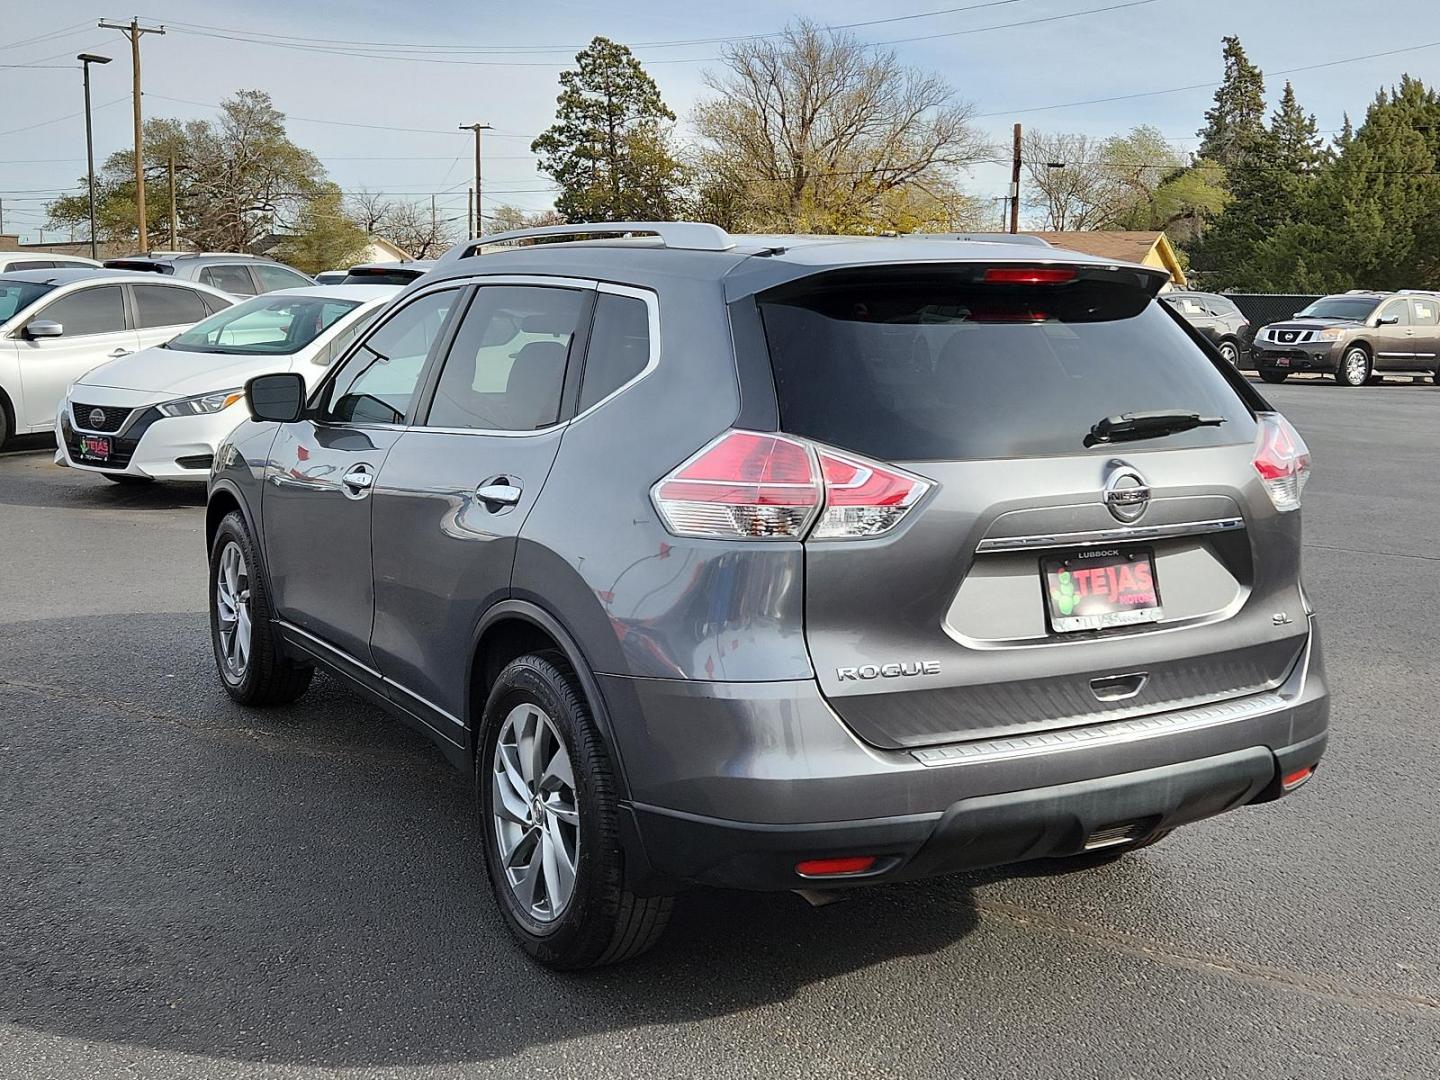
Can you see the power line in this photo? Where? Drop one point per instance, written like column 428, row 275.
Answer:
column 370, row 54
column 1207, row 85
column 58, row 119
column 523, row 49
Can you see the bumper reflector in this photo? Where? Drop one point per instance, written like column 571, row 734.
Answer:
column 1290, row 781
column 853, row 864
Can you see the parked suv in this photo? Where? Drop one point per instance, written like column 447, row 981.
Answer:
column 1355, row 336
column 1217, row 318
column 230, row 272
column 781, row 563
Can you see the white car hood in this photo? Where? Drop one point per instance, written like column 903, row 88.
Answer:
column 172, row 373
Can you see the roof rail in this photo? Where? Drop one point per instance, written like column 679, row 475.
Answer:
column 682, row 235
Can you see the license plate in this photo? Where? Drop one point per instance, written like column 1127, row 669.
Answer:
column 1096, row 590
column 95, row 447
column 1283, row 361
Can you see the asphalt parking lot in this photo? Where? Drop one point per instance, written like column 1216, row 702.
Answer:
column 190, row 889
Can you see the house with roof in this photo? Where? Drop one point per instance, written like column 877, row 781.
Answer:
column 1147, row 248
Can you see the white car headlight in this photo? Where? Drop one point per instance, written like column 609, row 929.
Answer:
column 203, row 403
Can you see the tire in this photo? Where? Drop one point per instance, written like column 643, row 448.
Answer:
column 1230, row 352
column 569, row 804
column 4, row 421
column 1355, row 367
column 253, row 670
column 126, row 480
column 1270, row 375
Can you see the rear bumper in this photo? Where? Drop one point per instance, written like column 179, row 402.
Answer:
column 733, row 784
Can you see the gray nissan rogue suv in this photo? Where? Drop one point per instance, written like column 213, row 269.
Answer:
column 781, row 562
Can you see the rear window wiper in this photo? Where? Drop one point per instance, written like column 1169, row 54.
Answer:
column 1127, row 427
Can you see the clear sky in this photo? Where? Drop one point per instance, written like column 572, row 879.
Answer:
column 461, row 61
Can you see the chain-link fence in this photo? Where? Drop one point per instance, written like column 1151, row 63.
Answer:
column 1265, row 308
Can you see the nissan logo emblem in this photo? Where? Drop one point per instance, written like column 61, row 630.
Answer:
column 1125, row 494
column 97, row 417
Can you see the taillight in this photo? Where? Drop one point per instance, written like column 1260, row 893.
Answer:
column 758, row 485
column 744, row 484
column 1283, row 461
column 863, row 498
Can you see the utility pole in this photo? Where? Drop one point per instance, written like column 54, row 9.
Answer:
column 477, row 129
column 174, row 216
column 1015, row 185
column 470, row 209
column 134, row 31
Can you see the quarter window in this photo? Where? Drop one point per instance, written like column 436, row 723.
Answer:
column 167, row 305
column 377, row 383
column 89, row 311
column 506, row 370
column 229, row 278
column 619, row 346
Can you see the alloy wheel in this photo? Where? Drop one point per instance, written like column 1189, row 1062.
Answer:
column 1357, row 367
column 232, row 607
column 535, row 813
column 1230, row 353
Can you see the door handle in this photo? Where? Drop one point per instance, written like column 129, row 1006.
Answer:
column 498, row 495
column 358, row 481
column 121, row 352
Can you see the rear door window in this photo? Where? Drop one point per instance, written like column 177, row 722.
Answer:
column 1425, row 312
column 277, row 277
column 229, row 278
column 928, row 367
column 167, row 305
column 506, row 370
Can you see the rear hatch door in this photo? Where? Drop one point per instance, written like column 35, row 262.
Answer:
column 1016, row 596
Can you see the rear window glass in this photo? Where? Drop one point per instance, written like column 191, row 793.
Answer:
column 380, row 276
column 923, row 368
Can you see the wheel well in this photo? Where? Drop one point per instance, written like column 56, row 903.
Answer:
column 502, row 642
column 1361, row 345
column 221, row 503
column 9, row 410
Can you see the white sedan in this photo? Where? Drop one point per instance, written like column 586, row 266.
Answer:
column 161, row 413
column 56, row 324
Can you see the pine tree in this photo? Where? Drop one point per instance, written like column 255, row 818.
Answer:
column 609, row 149
column 1238, row 116
column 1298, row 145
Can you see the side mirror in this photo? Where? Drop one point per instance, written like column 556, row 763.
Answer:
column 44, row 328
column 279, row 397
column 1388, row 320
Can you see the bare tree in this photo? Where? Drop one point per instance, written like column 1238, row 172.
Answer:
column 1077, row 182
column 815, row 132
column 507, row 218
column 409, row 226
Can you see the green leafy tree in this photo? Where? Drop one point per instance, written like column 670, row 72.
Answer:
column 1237, row 118
column 609, row 149
column 325, row 236
column 239, row 178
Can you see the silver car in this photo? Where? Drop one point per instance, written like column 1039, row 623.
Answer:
column 781, row 563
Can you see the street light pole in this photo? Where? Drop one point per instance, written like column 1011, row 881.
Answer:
column 86, row 59
column 477, row 129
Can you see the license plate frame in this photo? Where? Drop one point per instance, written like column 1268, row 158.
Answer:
column 1131, row 595
column 96, row 447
